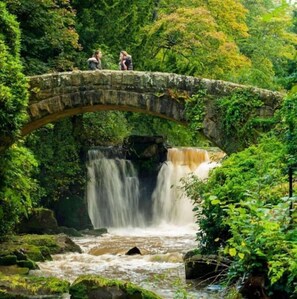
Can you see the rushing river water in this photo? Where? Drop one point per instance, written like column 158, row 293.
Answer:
column 114, row 202
column 159, row 268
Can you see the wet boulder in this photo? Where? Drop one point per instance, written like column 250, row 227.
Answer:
column 204, row 266
column 94, row 232
column 70, row 231
column 97, row 287
column 133, row 251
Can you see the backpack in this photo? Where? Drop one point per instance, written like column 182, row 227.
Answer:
column 128, row 62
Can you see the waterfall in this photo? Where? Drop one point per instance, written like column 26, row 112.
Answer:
column 112, row 192
column 170, row 205
column 113, row 189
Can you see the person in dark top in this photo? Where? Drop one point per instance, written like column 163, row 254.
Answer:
column 94, row 62
column 125, row 61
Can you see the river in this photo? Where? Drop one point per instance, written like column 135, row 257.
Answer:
column 162, row 240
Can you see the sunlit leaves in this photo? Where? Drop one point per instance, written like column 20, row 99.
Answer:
column 195, row 44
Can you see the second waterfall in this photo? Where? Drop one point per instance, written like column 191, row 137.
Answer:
column 114, row 197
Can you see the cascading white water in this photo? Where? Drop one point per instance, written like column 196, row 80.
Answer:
column 113, row 189
column 112, row 192
column 170, row 205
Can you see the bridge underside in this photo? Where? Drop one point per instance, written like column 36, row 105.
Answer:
column 33, row 125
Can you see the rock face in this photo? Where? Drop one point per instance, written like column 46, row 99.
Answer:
column 55, row 96
column 147, row 153
column 72, row 212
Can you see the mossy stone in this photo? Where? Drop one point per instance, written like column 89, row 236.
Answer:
column 27, row 264
column 8, row 260
column 16, row 286
column 40, row 221
column 13, row 270
column 86, row 286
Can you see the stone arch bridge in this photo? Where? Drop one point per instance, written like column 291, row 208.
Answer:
column 58, row 95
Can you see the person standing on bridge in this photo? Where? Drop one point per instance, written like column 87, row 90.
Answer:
column 94, row 62
column 125, row 61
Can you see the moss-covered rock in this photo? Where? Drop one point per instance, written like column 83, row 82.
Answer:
column 92, row 286
column 27, row 264
column 27, row 249
column 7, row 260
column 13, row 270
column 17, row 286
column 40, row 221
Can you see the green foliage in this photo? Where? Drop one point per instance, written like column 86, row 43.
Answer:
column 201, row 42
column 243, row 212
column 57, row 143
column 262, row 243
column 271, row 44
column 17, row 167
column 13, row 85
column 288, row 129
column 49, row 40
column 96, row 25
column 195, row 110
column 174, row 133
column 105, row 128
column 238, row 112
column 258, row 169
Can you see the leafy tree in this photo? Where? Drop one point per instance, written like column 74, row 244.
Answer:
column 16, row 163
column 49, row 40
column 243, row 209
column 288, row 128
column 263, row 244
column 175, row 134
column 13, row 84
column 105, row 128
column 201, row 42
column 270, row 45
column 258, row 169
column 111, row 25
column 55, row 142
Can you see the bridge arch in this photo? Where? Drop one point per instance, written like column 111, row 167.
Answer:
column 58, row 95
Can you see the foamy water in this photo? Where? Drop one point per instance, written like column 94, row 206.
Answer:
column 159, row 268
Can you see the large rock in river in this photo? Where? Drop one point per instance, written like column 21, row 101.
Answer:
column 97, row 287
